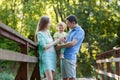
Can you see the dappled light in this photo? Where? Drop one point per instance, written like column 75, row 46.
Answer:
column 100, row 20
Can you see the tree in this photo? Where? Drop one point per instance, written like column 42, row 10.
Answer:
column 99, row 18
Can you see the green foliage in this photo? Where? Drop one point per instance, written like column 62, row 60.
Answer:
column 6, row 76
column 8, row 44
column 99, row 18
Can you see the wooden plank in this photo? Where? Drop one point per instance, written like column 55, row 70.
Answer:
column 36, row 75
column 97, row 67
column 115, row 76
column 108, row 69
column 118, row 50
column 108, row 60
column 12, row 34
column 22, row 73
column 102, row 68
column 117, row 63
column 15, row 56
column 107, row 52
column 36, row 71
column 85, row 79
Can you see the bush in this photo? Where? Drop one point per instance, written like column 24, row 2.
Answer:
column 6, row 76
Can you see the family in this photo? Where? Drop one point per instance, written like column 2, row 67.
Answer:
column 68, row 46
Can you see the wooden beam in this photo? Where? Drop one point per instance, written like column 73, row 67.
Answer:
column 108, row 60
column 36, row 71
column 108, row 69
column 117, row 63
column 85, row 79
column 106, row 54
column 36, row 75
column 15, row 56
column 10, row 33
column 115, row 76
column 23, row 72
column 102, row 68
column 23, row 58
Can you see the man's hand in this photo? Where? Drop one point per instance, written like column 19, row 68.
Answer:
column 58, row 47
column 69, row 44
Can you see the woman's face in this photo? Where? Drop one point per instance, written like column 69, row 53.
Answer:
column 48, row 26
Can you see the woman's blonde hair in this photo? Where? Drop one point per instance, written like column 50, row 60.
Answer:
column 42, row 24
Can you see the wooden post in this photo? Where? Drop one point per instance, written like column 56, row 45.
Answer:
column 117, row 64
column 98, row 68
column 22, row 73
column 36, row 72
column 102, row 68
column 108, row 69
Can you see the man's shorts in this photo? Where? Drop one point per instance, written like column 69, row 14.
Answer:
column 68, row 68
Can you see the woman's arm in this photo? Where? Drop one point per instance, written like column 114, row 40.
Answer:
column 51, row 44
column 42, row 43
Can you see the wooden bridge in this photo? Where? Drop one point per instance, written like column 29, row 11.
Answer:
column 104, row 65
column 22, row 57
column 103, row 62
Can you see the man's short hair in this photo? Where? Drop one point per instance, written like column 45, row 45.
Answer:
column 72, row 18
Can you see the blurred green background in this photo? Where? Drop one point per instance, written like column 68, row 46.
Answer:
column 99, row 18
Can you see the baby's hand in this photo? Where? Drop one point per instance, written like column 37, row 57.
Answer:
column 63, row 39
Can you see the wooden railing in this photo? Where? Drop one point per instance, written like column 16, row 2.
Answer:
column 108, row 64
column 22, row 57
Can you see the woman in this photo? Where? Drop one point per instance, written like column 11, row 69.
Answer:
column 47, row 54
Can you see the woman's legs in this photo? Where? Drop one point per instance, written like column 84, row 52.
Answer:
column 50, row 75
column 65, row 78
column 53, row 73
column 71, row 78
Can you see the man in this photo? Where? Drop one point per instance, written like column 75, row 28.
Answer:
column 72, row 45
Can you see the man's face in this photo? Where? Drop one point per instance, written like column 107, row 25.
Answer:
column 70, row 24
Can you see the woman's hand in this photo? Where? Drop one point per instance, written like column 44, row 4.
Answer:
column 57, row 41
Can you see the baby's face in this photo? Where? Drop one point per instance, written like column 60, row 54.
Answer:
column 61, row 28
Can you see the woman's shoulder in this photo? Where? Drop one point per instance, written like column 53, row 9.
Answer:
column 48, row 31
column 40, row 34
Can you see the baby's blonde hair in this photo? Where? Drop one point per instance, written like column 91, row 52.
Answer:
column 61, row 23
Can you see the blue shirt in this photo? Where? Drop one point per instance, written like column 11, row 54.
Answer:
column 78, row 34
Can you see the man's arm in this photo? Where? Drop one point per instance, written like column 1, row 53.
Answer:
column 69, row 44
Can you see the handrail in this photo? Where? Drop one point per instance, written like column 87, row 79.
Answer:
column 15, row 36
column 107, row 58
column 22, row 57
column 13, row 56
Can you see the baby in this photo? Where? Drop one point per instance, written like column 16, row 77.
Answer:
column 61, row 34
